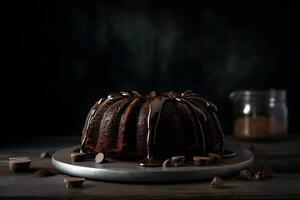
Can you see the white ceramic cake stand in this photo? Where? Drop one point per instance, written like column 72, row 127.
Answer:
column 120, row 171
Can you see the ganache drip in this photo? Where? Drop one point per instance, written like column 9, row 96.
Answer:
column 156, row 103
column 196, row 112
column 219, row 133
column 184, row 97
column 88, row 120
column 155, row 107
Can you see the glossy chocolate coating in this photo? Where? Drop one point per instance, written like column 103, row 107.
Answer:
column 202, row 111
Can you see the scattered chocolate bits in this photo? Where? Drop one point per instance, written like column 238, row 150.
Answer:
column 167, row 163
column 19, row 165
column 214, row 158
column 201, row 160
column 178, row 161
column 245, row 175
column 217, row 182
column 45, row 154
column 72, row 182
column 100, row 158
column 79, row 157
column 264, row 173
column 256, row 172
column 150, row 162
column 43, row 173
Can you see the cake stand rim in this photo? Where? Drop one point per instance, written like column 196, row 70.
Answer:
column 144, row 175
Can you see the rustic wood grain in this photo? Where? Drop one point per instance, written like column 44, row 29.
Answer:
column 285, row 184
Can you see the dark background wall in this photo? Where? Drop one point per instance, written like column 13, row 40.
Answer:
column 69, row 54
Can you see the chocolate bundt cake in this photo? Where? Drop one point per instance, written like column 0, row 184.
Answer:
column 129, row 126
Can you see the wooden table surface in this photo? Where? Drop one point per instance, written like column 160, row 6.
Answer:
column 283, row 157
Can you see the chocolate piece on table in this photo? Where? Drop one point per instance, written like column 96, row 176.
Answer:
column 217, row 182
column 73, row 182
column 178, row 161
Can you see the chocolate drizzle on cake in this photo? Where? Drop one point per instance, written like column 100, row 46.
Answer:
column 155, row 108
column 88, row 120
column 202, row 113
column 220, row 133
column 196, row 112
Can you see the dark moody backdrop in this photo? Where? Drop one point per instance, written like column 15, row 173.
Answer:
column 71, row 53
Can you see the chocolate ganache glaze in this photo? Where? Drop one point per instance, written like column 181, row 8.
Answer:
column 130, row 126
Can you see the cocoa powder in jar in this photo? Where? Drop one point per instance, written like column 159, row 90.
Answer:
column 258, row 128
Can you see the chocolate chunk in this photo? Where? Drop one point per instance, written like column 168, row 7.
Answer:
column 178, row 161
column 268, row 172
column 45, row 154
column 19, row 165
column 78, row 157
column 201, row 160
column 245, row 175
column 167, row 163
column 214, row 158
column 72, row 182
column 43, row 173
column 100, row 158
column 150, row 162
column 260, row 176
column 217, row 182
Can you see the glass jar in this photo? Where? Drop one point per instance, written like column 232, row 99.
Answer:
column 260, row 115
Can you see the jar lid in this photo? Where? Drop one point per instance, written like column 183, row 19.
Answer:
column 262, row 95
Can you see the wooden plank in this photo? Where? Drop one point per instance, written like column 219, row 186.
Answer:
column 284, row 185
column 282, row 156
column 26, row 185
